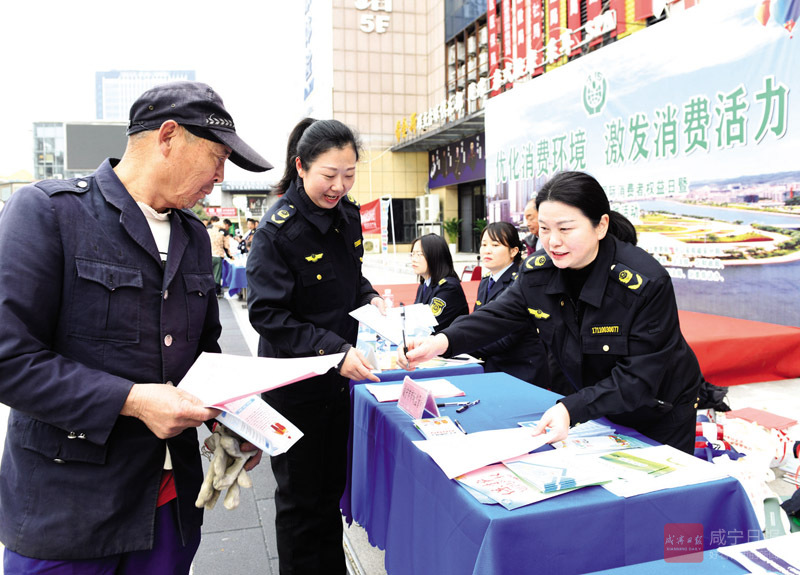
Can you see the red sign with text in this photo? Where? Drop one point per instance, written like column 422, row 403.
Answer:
column 222, row 212
column 371, row 217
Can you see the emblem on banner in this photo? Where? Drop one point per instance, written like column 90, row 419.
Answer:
column 594, row 93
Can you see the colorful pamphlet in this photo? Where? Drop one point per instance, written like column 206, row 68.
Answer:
column 497, row 484
column 599, row 443
column 437, row 427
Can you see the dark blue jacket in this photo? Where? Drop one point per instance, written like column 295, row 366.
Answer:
column 86, row 311
column 521, row 353
column 446, row 300
column 624, row 356
column 304, row 278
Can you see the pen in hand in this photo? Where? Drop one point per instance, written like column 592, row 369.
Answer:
column 403, row 317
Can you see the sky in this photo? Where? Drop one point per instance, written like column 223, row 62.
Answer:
column 250, row 51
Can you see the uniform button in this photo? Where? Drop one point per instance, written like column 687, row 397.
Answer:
column 82, row 184
column 319, row 276
column 58, row 461
column 341, row 390
column 81, row 436
column 200, row 293
column 322, row 352
column 537, row 330
column 606, row 348
column 72, row 435
column 168, row 340
column 695, row 406
column 612, row 267
column 562, row 303
column 166, row 293
column 170, row 383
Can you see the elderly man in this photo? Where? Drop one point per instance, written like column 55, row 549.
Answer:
column 99, row 324
column 532, row 241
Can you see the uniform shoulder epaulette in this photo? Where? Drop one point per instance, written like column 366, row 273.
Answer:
column 631, row 279
column 349, row 199
column 51, row 187
column 280, row 213
column 536, row 262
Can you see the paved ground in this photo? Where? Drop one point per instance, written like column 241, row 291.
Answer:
column 242, row 541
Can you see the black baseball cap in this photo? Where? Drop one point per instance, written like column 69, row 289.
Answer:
column 194, row 105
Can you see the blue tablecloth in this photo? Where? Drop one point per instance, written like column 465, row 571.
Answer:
column 429, row 524
column 234, row 277
column 713, row 563
column 395, row 376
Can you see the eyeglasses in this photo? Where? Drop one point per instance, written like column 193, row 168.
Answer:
column 417, row 255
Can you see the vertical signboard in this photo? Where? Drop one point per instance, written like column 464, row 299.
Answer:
column 494, row 48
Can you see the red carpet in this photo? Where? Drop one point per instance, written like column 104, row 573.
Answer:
column 730, row 351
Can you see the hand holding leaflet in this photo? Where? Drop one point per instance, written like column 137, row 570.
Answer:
column 415, row 319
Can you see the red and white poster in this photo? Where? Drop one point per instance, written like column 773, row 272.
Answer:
column 371, row 217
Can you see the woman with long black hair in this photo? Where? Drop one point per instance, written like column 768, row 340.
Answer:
column 439, row 286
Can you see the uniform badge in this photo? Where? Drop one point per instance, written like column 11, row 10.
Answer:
column 627, row 277
column 538, row 314
column 540, row 261
column 437, row 306
column 442, row 281
column 353, row 200
column 357, row 243
column 281, row 216
column 478, row 303
column 314, row 258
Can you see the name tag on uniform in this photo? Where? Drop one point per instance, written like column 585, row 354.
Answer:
column 416, row 399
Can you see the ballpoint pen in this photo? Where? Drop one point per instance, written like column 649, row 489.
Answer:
column 403, row 318
column 445, row 404
column 468, row 405
column 458, row 425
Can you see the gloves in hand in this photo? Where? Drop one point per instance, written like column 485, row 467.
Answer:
column 226, row 470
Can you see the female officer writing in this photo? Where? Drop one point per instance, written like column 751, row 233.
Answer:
column 606, row 312
column 439, row 285
column 304, row 276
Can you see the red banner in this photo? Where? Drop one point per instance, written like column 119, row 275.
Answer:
column 553, row 23
column 537, row 36
column 573, row 23
column 494, row 49
column 642, row 9
column 508, row 39
column 520, row 29
column 371, row 217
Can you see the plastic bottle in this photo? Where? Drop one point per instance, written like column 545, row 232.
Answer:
column 388, row 297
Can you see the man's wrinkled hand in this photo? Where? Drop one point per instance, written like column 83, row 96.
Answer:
column 166, row 410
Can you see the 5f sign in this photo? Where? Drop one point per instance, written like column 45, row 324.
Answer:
column 374, row 23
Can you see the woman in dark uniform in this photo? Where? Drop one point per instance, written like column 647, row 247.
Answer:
column 439, row 285
column 521, row 353
column 604, row 309
column 304, row 276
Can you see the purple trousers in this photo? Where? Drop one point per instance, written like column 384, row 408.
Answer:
column 167, row 557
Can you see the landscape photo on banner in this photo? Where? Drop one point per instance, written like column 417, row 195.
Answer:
column 691, row 127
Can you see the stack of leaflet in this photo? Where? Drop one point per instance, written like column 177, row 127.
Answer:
column 599, row 443
column 557, row 471
column 588, row 429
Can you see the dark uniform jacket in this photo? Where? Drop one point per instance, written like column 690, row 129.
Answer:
column 446, row 300
column 521, row 353
column 85, row 313
column 627, row 359
column 304, row 278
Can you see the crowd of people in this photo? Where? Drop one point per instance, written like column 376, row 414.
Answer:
column 101, row 323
